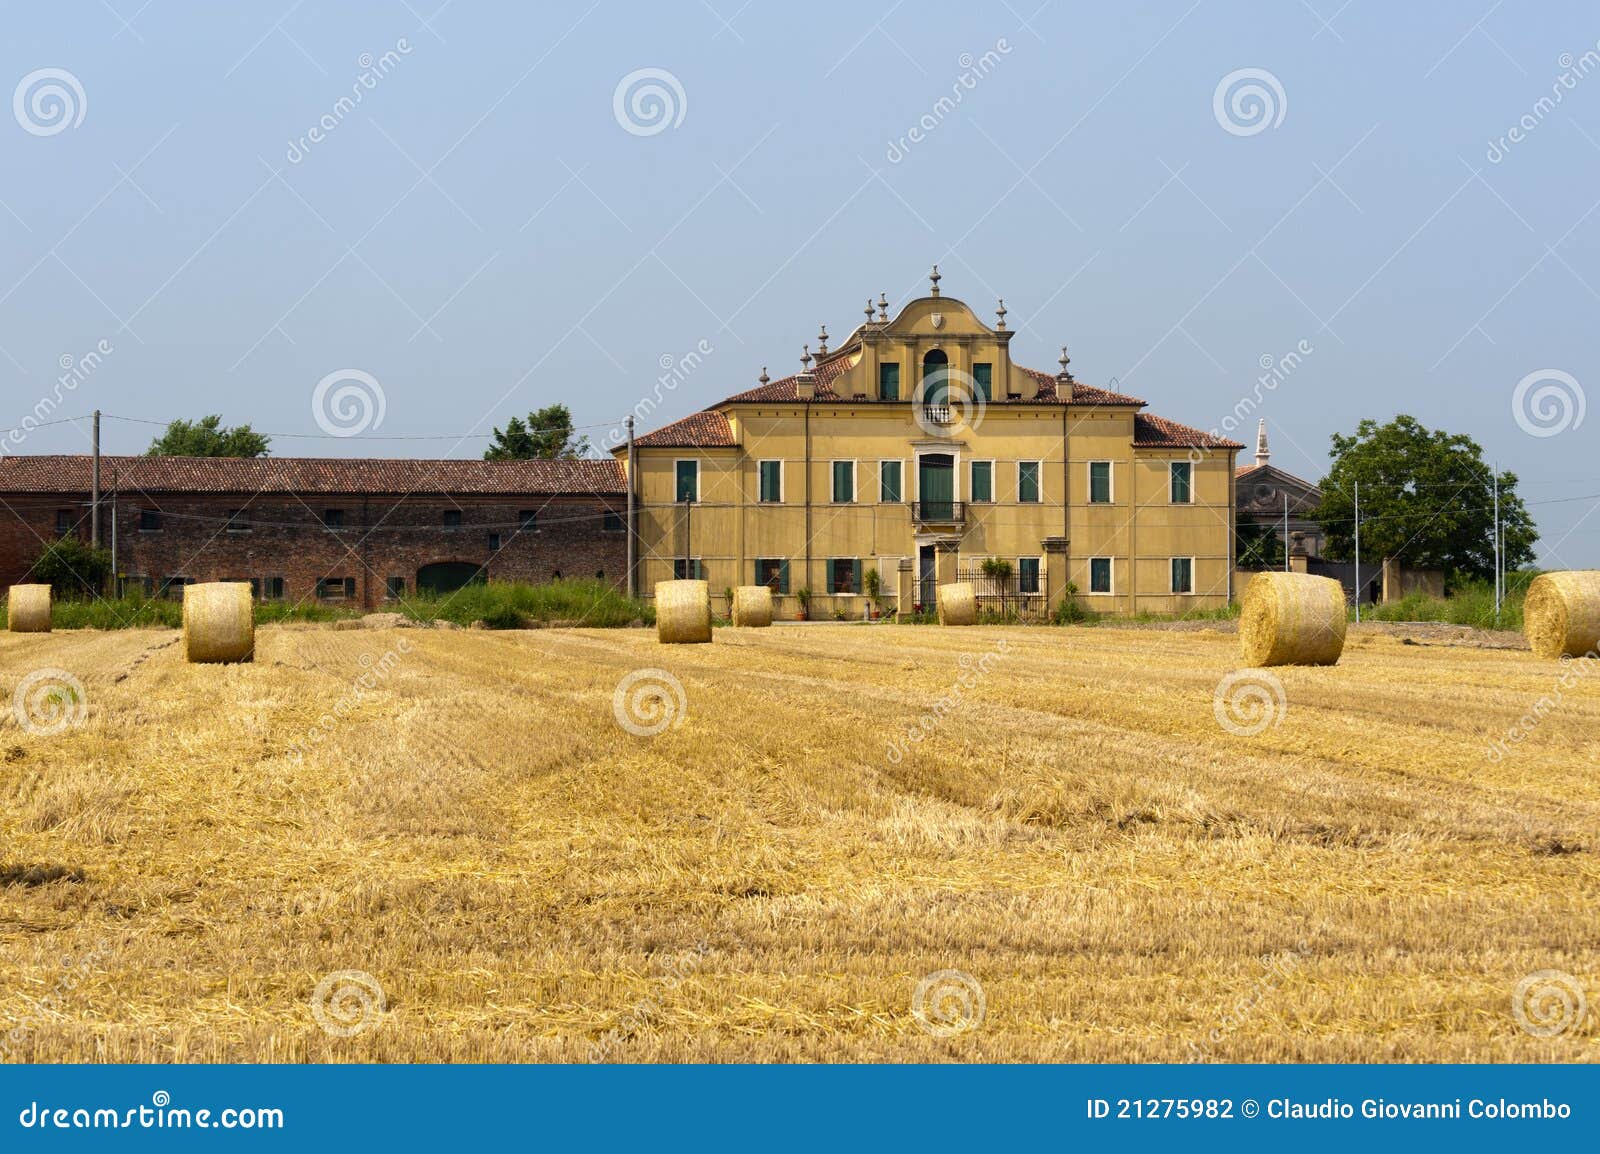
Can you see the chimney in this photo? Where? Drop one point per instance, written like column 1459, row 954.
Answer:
column 805, row 382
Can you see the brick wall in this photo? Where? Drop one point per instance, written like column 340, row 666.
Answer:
column 380, row 537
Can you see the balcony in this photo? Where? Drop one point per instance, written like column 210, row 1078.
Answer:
column 936, row 414
column 939, row 512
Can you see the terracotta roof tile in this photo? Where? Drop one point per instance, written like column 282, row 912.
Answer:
column 707, row 429
column 1152, row 431
column 72, row 474
column 829, row 371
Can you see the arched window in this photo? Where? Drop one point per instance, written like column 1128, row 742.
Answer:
column 935, row 378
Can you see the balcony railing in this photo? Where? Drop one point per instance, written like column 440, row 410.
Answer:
column 939, row 512
column 937, row 414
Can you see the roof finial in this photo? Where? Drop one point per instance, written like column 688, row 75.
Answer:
column 763, row 378
column 805, row 358
column 1001, row 313
column 822, row 342
column 883, row 309
column 1262, row 455
column 868, row 310
column 935, row 278
column 1065, row 360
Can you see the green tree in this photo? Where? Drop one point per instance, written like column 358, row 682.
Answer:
column 1259, row 546
column 208, row 438
column 546, row 434
column 71, row 567
column 1427, row 498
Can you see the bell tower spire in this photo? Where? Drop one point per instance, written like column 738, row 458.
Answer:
column 1262, row 455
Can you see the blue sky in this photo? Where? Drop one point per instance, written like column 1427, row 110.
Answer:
column 482, row 233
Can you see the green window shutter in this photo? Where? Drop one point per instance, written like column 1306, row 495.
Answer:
column 889, row 382
column 1100, row 575
column 843, row 477
column 982, row 481
column 1100, row 482
column 1182, row 482
column 983, row 380
column 783, row 577
column 889, row 481
column 855, row 575
column 1027, row 480
column 771, row 480
column 1028, row 575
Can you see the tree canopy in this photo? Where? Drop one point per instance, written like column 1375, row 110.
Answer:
column 547, row 434
column 207, row 437
column 1427, row 498
column 71, row 567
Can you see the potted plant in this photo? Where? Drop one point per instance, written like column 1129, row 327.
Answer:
column 874, row 584
column 803, row 595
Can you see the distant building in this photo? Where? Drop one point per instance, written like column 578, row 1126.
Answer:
column 340, row 530
column 1266, row 493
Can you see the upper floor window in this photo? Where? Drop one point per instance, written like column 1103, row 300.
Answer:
column 981, row 486
column 844, row 482
column 451, row 518
column 528, row 519
column 64, row 521
column 1182, row 482
column 238, row 522
column 1028, row 481
column 983, row 381
column 149, row 520
column 612, row 522
column 891, row 485
column 771, row 478
column 1100, row 482
column 687, row 480
column 935, row 378
column 888, row 382
column 333, row 518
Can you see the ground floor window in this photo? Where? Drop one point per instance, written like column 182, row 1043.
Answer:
column 173, row 587
column 688, row 569
column 336, row 588
column 1183, row 574
column 272, row 588
column 844, row 575
column 394, row 588
column 1100, row 574
column 773, row 572
column 1027, row 574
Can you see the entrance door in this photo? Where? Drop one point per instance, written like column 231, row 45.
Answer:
column 936, row 486
column 927, row 576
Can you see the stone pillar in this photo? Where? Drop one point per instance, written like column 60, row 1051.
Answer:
column 1299, row 559
column 906, row 589
column 1055, row 572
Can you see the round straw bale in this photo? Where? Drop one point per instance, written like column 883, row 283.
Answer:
column 1561, row 614
column 28, row 609
column 683, row 612
column 958, row 604
column 1292, row 619
column 219, row 622
column 752, row 606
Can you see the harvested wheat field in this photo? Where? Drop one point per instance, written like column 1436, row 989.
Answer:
column 773, row 873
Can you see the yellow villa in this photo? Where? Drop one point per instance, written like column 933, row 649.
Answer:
column 917, row 453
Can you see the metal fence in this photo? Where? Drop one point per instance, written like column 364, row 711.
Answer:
column 1003, row 594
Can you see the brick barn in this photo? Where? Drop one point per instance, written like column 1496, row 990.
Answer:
column 356, row 531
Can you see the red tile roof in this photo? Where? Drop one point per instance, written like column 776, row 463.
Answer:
column 1156, row 432
column 72, row 474
column 1243, row 469
column 703, row 430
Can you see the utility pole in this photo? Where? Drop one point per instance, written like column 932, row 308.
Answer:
column 1358, row 552
column 1497, row 586
column 94, row 496
column 1286, row 532
column 633, row 472
column 116, row 577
